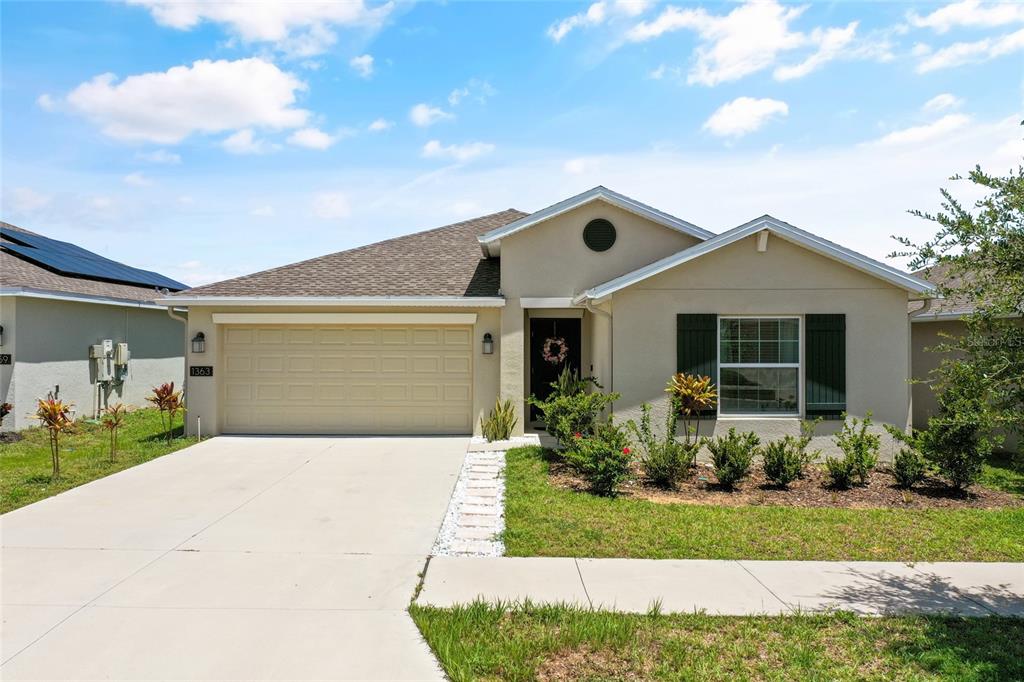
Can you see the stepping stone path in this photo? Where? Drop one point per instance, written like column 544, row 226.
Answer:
column 476, row 512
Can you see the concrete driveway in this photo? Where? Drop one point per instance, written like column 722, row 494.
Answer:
column 239, row 558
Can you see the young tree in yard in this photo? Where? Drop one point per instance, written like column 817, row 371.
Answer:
column 55, row 416
column 980, row 253
column 113, row 418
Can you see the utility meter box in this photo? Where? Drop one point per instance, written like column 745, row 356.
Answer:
column 121, row 354
column 102, row 369
column 96, row 351
column 108, row 346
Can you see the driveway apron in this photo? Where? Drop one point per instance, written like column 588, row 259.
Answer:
column 239, row 558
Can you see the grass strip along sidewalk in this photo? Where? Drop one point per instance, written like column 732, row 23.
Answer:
column 528, row 642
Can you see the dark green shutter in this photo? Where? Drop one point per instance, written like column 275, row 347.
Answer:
column 825, row 358
column 696, row 345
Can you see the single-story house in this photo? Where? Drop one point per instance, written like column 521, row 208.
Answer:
column 80, row 327
column 422, row 333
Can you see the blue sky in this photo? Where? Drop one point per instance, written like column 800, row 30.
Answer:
column 211, row 139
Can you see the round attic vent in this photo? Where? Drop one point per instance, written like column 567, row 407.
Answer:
column 599, row 234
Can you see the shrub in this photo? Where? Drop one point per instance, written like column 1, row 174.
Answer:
column 55, row 416
column 859, row 447
column 807, row 429
column 840, row 472
column 602, row 458
column 113, row 419
column 168, row 401
column 732, row 456
column 957, row 439
column 571, row 408
column 691, row 395
column 783, row 461
column 665, row 460
column 500, row 423
column 908, row 467
column 5, row 409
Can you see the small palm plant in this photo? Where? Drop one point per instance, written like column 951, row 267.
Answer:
column 169, row 402
column 692, row 394
column 113, row 419
column 55, row 416
column 500, row 423
column 5, row 409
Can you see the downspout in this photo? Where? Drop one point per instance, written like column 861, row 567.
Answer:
column 184, row 371
column 589, row 306
column 920, row 312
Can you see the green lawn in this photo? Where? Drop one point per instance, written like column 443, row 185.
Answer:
column 1004, row 472
column 561, row 643
column 542, row 520
column 85, row 456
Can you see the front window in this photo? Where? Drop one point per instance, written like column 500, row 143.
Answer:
column 759, row 365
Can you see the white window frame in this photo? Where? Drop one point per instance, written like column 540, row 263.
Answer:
column 799, row 366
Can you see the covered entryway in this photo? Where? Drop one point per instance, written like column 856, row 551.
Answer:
column 347, row 379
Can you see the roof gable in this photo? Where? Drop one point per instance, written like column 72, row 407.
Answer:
column 783, row 230
column 490, row 241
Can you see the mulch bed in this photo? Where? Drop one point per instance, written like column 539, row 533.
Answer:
column 9, row 437
column 881, row 492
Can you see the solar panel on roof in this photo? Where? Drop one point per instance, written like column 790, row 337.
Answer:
column 68, row 259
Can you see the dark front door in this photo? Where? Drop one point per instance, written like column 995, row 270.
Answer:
column 555, row 333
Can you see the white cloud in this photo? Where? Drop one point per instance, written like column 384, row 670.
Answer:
column 25, row 200
column 744, row 115
column 207, row 97
column 424, row 115
column 380, row 125
column 244, row 142
column 312, row 138
column 456, row 152
column 580, row 166
column 631, row 8
column 592, row 16
column 831, row 43
column 331, row 205
column 465, row 208
column 975, row 52
column 137, row 180
column 969, row 13
column 925, row 133
column 262, row 211
column 46, row 103
column 362, row 65
column 300, row 29
column 942, row 102
column 476, row 89
column 751, row 38
column 159, row 156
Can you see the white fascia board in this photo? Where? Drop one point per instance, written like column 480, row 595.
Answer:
column 548, row 302
column 345, row 318
column 785, row 231
column 355, row 301
column 597, row 193
column 25, row 292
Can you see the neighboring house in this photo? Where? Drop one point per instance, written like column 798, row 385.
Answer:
column 933, row 322
column 420, row 334
column 58, row 301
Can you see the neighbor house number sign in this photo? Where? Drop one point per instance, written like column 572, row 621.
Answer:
column 200, row 371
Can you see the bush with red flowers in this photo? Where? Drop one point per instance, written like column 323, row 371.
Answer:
column 603, row 457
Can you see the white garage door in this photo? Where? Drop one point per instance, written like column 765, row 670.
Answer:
column 347, row 379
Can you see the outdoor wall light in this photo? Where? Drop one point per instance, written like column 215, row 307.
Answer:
column 488, row 344
column 199, row 343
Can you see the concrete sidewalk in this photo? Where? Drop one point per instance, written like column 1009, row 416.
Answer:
column 737, row 588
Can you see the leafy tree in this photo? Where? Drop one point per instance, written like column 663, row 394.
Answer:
column 979, row 252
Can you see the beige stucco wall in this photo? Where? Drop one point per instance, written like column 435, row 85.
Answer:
column 785, row 280
column 925, row 335
column 9, row 321
column 51, row 349
column 204, row 393
column 550, row 259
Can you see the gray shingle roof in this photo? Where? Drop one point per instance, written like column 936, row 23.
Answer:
column 445, row 261
column 18, row 273
column 938, row 275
